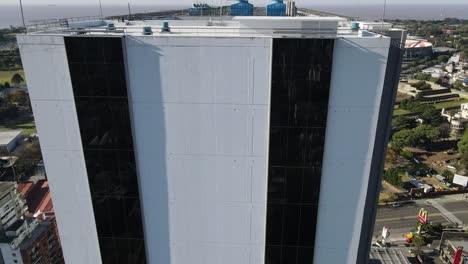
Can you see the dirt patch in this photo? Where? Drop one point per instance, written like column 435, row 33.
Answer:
column 394, row 160
column 402, row 96
column 436, row 160
column 386, row 197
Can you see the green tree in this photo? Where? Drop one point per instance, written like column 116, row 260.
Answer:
column 464, row 55
column 442, row 58
column 432, row 117
column 464, row 161
column 448, row 175
column 20, row 97
column 393, row 177
column 419, row 136
column 28, row 158
column 402, row 139
column 432, row 228
column 403, row 122
column 445, row 130
column 426, row 134
column 463, row 143
column 418, row 241
column 422, row 76
column 419, row 95
column 17, row 79
column 6, row 85
column 458, row 86
column 422, row 85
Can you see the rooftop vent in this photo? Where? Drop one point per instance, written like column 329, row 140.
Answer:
column 111, row 26
column 355, row 26
column 165, row 27
column 147, row 31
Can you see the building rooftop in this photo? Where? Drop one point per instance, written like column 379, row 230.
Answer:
column 15, row 225
column 419, row 43
column 242, row 26
column 5, row 187
column 38, row 231
column 8, row 136
column 387, row 256
column 460, row 243
column 37, row 196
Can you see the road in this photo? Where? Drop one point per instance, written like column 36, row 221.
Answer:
column 401, row 220
column 458, row 208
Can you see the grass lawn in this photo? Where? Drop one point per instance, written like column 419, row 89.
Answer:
column 450, row 104
column 27, row 127
column 5, row 76
column 398, row 112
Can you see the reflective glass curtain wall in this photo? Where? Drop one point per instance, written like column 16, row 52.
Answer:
column 97, row 72
column 301, row 72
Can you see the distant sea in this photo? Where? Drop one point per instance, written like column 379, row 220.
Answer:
column 10, row 15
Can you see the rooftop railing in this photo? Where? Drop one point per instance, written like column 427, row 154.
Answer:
column 56, row 24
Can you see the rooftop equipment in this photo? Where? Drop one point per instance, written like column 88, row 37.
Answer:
column 199, row 9
column 242, row 8
column 147, row 31
column 291, row 9
column 165, row 27
column 276, row 8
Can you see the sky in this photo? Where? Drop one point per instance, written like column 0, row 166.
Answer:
column 260, row 2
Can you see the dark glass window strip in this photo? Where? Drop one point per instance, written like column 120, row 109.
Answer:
column 99, row 85
column 301, row 72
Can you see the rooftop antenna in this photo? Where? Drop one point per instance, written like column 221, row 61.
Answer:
column 22, row 14
column 100, row 9
column 383, row 16
column 129, row 11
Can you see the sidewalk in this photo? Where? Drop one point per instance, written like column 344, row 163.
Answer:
column 446, row 213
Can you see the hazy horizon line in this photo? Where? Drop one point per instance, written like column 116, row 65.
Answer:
column 319, row 4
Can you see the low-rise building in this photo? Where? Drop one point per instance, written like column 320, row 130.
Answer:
column 417, row 48
column 38, row 198
column 454, row 248
column 9, row 140
column 459, row 120
column 387, row 256
column 25, row 238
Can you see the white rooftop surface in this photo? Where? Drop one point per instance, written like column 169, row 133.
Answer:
column 248, row 26
column 387, row 256
column 460, row 243
column 7, row 136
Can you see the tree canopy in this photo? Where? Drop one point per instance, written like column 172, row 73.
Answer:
column 463, row 143
column 416, row 137
column 17, row 78
column 403, row 122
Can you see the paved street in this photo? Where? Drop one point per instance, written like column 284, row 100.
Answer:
column 401, row 220
column 458, row 208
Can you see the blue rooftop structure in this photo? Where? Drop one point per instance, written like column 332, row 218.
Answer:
column 276, row 8
column 199, row 10
column 242, row 8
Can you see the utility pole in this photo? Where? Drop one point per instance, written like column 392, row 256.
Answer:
column 129, row 11
column 100, row 9
column 383, row 16
column 22, row 13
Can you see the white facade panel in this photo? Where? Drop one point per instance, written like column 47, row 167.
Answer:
column 46, row 69
column 200, row 114
column 356, row 87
